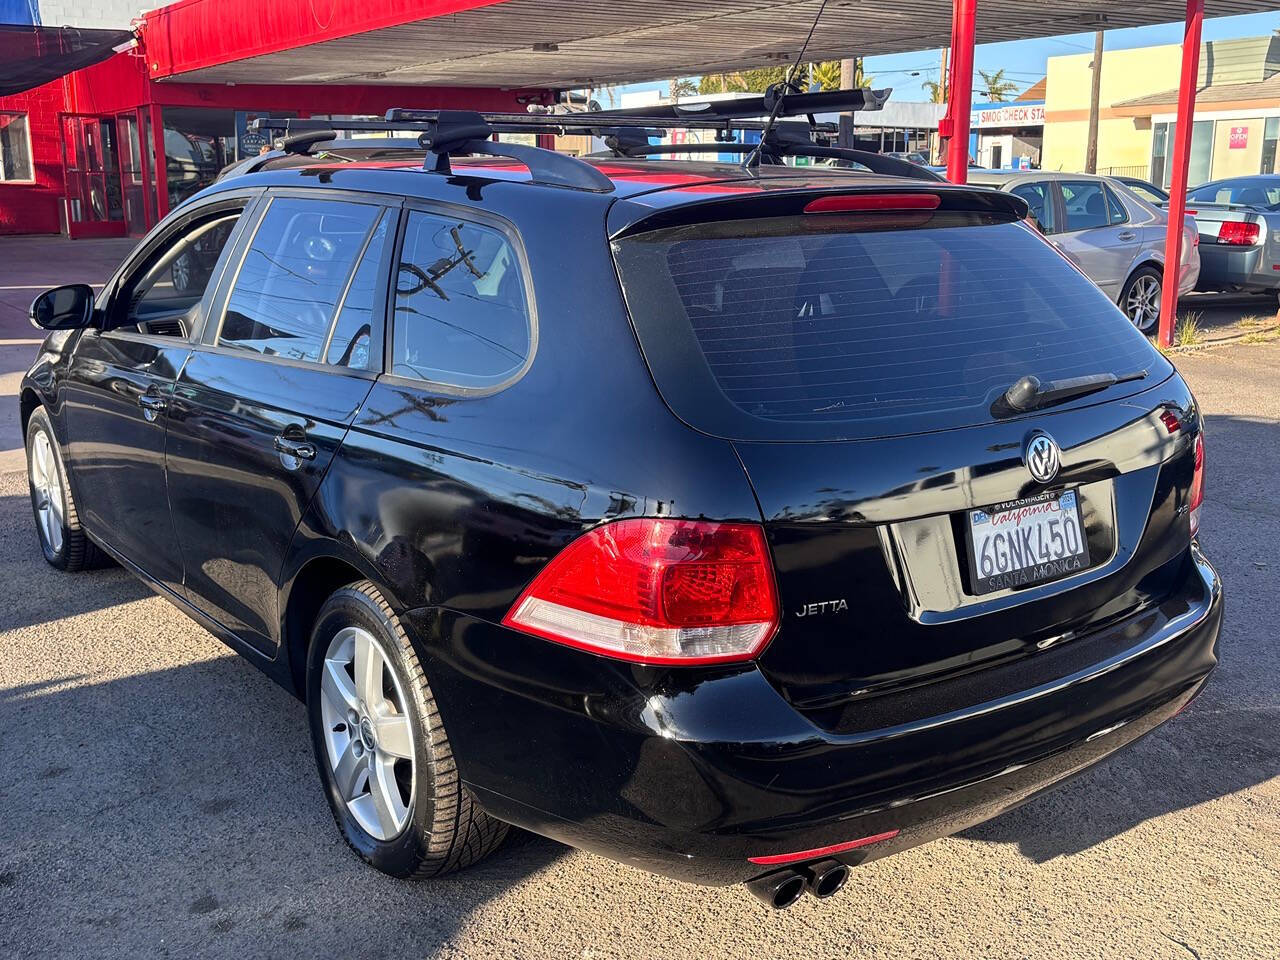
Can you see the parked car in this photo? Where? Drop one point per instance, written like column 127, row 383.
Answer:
column 1145, row 189
column 1110, row 233
column 742, row 526
column 913, row 156
column 1239, row 224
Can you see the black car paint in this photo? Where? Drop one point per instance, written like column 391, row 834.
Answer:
column 882, row 716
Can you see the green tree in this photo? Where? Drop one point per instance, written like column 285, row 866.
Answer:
column 936, row 89
column 681, row 87
column 996, row 88
column 825, row 73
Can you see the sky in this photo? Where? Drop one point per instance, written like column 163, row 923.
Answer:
column 1024, row 60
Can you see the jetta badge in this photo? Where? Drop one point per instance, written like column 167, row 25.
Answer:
column 1042, row 457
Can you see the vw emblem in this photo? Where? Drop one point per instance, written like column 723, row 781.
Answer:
column 1042, row 457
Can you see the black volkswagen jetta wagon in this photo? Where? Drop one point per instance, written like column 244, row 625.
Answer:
column 739, row 525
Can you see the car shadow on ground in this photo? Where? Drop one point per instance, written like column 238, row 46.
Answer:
column 182, row 807
column 47, row 594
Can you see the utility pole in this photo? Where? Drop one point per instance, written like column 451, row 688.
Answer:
column 943, row 97
column 1095, row 98
column 844, row 138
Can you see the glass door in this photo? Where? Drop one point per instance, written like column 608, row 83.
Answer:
column 93, row 187
column 133, row 187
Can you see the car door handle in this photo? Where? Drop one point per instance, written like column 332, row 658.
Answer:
column 1126, row 236
column 152, row 405
column 301, row 449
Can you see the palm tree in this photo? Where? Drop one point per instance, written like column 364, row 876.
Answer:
column 681, row 87
column 936, row 89
column 997, row 87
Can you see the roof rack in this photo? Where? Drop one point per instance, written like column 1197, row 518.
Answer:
column 443, row 133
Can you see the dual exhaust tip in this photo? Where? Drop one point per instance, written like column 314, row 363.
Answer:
column 782, row 889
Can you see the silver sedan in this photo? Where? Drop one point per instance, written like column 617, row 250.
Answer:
column 1114, row 236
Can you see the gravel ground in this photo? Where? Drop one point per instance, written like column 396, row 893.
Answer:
column 159, row 799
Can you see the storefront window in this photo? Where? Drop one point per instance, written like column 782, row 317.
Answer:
column 1199, row 163
column 1270, row 137
column 15, row 147
column 198, row 143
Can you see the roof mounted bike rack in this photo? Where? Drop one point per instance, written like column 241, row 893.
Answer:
column 875, row 162
column 442, row 133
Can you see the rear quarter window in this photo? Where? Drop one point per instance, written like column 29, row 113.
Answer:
column 809, row 328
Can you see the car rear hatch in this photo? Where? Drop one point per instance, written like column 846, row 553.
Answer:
column 857, row 348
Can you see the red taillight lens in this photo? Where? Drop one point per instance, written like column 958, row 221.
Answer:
column 1238, row 233
column 657, row 591
column 1197, row 485
column 873, row 201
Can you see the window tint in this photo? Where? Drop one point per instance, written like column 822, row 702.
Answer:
column 292, row 276
column 1039, row 197
column 353, row 331
column 461, row 314
column 1119, row 214
column 1256, row 191
column 771, row 329
column 1085, row 203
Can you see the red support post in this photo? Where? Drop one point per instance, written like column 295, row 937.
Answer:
column 1181, row 154
column 162, row 161
column 960, row 100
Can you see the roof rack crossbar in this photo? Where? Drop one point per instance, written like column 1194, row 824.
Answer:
column 444, row 133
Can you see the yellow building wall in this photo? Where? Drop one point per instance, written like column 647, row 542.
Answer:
column 1126, row 74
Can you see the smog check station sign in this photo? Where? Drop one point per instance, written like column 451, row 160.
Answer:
column 1008, row 115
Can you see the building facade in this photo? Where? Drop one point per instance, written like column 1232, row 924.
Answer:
column 107, row 151
column 1237, row 121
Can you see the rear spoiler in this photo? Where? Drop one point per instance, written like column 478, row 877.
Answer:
column 750, row 203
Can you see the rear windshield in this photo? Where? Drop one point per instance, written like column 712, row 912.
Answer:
column 796, row 328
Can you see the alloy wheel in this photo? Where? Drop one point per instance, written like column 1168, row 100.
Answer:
column 46, row 483
column 1142, row 305
column 368, row 733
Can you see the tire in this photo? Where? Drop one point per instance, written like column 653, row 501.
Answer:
column 62, row 540
column 393, row 787
column 182, row 272
column 1141, row 298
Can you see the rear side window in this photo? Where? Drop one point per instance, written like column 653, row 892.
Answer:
column 1119, row 213
column 1039, row 198
column 462, row 316
column 790, row 329
column 293, row 275
column 1085, row 203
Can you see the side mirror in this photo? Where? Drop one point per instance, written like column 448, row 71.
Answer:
column 63, row 308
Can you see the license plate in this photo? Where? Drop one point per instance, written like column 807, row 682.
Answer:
column 1026, row 541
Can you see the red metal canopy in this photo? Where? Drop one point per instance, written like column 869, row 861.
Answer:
column 575, row 43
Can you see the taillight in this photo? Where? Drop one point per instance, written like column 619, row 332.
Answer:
column 1238, row 233
column 1197, row 485
column 657, row 591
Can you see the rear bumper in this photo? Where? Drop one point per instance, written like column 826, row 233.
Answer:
column 1226, row 268
column 690, row 776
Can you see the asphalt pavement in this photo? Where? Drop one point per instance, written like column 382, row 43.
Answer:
column 159, row 797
